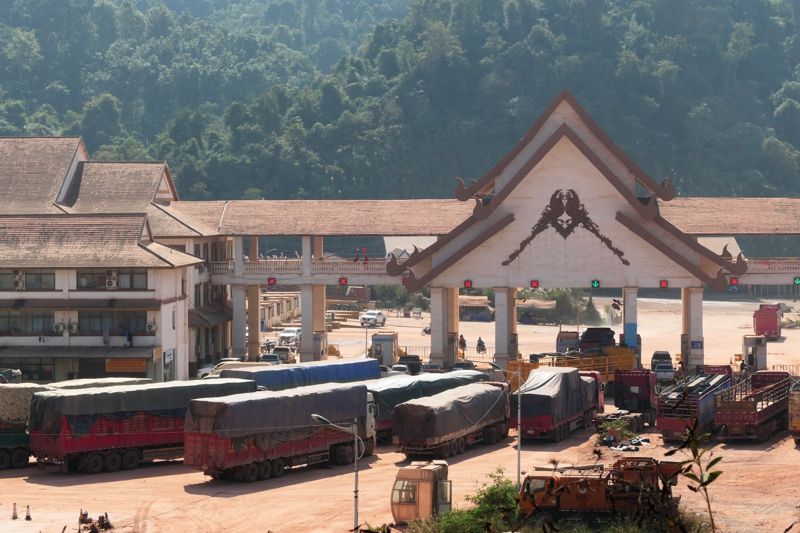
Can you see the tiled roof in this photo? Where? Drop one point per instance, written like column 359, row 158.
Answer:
column 734, row 216
column 202, row 216
column 101, row 187
column 81, row 241
column 32, row 170
column 165, row 225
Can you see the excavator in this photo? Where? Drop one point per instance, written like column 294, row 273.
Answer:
column 631, row 484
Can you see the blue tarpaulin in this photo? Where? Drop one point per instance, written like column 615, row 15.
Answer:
column 280, row 377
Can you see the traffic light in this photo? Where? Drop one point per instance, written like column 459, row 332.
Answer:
column 663, row 284
column 271, row 282
column 797, row 280
column 467, row 283
column 734, row 282
column 595, row 283
column 343, row 282
column 534, row 284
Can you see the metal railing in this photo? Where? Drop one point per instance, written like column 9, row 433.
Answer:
column 295, row 266
column 773, row 264
column 792, row 369
column 274, row 266
column 328, row 266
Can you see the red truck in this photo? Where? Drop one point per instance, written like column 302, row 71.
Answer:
column 259, row 435
column 558, row 400
column 767, row 321
column 115, row 428
column 690, row 402
column 634, row 392
column 755, row 408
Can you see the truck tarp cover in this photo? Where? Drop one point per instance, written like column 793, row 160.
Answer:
column 97, row 382
column 556, row 392
column 280, row 377
column 276, row 411
column 48, row 407
column 450, row 414
column 393, row 390
column 15, row 401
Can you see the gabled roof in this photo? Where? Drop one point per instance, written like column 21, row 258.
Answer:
column 113, row 187
column 32, row 170
column 486, row 183
column 82, row 241
column 734, row 216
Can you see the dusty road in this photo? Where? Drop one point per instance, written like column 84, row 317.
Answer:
column 759, row 490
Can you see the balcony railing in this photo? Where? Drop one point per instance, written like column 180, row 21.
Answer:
column 295, row 266
column 773, row 265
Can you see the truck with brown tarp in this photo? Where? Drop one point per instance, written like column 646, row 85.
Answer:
column 557, row 401
column 113, row 428
column 259, row 435
column 447, row 423
column 754, row 408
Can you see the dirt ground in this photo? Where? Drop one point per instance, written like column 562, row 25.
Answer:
column 758, row 491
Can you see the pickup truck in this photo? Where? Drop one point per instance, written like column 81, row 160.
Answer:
column 372, row 318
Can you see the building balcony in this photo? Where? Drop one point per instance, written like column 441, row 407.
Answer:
column 295, row 266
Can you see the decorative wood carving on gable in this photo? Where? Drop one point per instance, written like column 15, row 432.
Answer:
column 565, row 213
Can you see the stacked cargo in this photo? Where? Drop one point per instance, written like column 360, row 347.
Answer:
column 117, row 427
column 754, row 408
column 259, row 435
column 690, row 403
column 446, row 423
column 556, row 401
column 280, row 377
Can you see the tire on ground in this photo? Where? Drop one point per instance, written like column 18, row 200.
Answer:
column 93, row 463
column 454, row 447
column 250, row 473
column 130, row 459
column 462, row 445
column 264, row 470
column 112, row 462
column 278, row 468
column 5, row 460
column 19, row 458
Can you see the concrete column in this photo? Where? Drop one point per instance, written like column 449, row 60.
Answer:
column 630, row 320
column 306, row 255
column 253, row 324
column 438, row 325
column 318, row 303
column 238, row 256
column 237, row 326
column 306, row 323
column 692, row 344
column 318, row 248
column 504, row 324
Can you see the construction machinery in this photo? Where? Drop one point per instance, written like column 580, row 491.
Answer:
column 754, row 408
column 690, row 402
column 631, row 484
column 421, row 491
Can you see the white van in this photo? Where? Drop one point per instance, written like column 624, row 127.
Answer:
column 289, row 336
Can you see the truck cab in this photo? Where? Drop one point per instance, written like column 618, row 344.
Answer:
column 421, row 491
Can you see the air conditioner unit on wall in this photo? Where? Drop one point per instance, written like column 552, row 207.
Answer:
column 58, row 328
column 111, row 280
column 73, row 328
column 19, row 280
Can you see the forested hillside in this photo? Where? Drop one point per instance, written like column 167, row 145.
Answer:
column 393, row 98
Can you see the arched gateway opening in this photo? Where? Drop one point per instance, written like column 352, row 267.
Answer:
column 565, row 207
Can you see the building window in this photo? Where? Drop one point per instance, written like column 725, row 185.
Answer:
column 32, row 368
column 127, row 280
column 135, row 280
column 40, row 280
column 197, row 301
column 26, row 323
column 6, row 280
column 118, row 323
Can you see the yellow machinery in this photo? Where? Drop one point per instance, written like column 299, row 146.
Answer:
column 421, row 490
column 615, row 358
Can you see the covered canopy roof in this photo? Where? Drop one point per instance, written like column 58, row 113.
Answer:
column 734, row 216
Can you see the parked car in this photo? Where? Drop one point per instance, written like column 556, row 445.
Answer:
column 285, row 353
column 464, row 365
column 402, row 369
column 660, row 357
column 372, row 318
column 664, row 373
column 431, row 367
column 207, row 369
column 413, row 362
column 289, row 337
column 271, row 358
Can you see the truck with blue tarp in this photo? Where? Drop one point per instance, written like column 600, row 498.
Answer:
column 280, row 377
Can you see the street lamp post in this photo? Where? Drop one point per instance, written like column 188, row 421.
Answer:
column 356, row 456
column 519, row 417
column 366, row 340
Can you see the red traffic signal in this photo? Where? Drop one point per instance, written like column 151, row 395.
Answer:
column 534, row 284
column 734, row 282
column 467, row 283
column 663, row 284
column 271, row 282
column 343, row 282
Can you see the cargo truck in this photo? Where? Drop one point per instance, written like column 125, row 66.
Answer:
column 390, row 391
column 690, row 402
column 447, row 423
column 557, row 401
column 755, row 408
column 635, row 395
column 259, row 435
column 113, row 428
column 794, row 411
column 767, row 321
column 15, row 404
column 612, row 359
column 280, row 377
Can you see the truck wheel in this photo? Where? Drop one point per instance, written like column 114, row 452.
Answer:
column 504, row 430
column 130, row 459
column 454, row 447
column 554, row 434
column 278, row 468
column 93, row 463
column 5, row 460
column 442, row 452
column 345, row 455
column 369, row 447
column 264, row 470
column 462, row 445
column 490, row 435
column 112, row 462
column 250, row 473
column 19, row 458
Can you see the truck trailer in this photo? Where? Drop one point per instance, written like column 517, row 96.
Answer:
column 690, row 403
column 634, row 395
column 767, row 321
column 115, row 428
column 794, row 411
column 255, row 436
column 15, row 405
column 755, row 408
column 280, row 377
column 557, row 400
column 446, row 423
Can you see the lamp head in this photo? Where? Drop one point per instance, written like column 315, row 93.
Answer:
column 321, row 419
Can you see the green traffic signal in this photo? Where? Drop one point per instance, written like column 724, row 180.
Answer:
column 797, row 280
column 595, row 284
